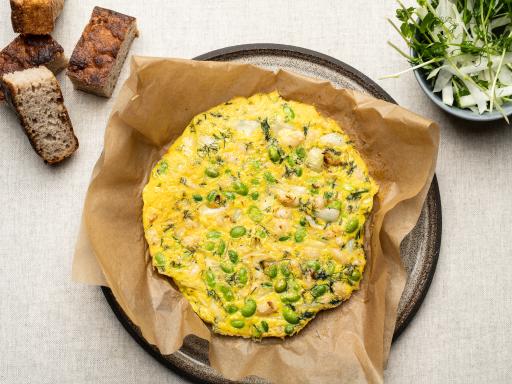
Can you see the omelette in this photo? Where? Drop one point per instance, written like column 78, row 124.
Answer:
column 257, row 212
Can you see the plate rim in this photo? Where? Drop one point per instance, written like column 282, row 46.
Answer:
column 368, row 84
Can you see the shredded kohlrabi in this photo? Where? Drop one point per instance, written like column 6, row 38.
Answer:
column 464, row 48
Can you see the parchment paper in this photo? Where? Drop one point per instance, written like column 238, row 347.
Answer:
column 349, row 344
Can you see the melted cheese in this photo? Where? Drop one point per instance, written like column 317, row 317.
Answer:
column 257, row 213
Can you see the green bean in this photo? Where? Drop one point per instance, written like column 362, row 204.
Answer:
column 242, row 276
column 228, row 268
column 249, row 308
column 272, row 271
column 255, row 214
column 240, row 188
column 264, row 325
column 159, row 259
column 237, row 231
column 352, row 225
column 233, row 256
column 318, row 290
column 280, row 285
column 231, row 308
column 237, row 323
column 290, row 315
column 274, row 155
column 210, row 278
column 197, row 197
column 211, row 172
column 288, row 329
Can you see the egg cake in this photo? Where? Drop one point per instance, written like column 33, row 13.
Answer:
column 257, row 213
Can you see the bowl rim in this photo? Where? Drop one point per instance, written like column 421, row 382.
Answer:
column 465, row 114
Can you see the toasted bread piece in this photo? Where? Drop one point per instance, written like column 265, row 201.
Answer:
column 27, row 51
column 98, row 57
column 36, row 97
column 35, row 17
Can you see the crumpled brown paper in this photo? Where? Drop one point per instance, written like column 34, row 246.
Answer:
column 349, row 344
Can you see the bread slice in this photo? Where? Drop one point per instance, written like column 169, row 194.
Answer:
column 27, row 51
column 36, row 97
column 35, row 17
column 98, row 57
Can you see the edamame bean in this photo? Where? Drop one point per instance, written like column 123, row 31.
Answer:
column 274, row 155
column 290, row 315
column 300, row 234
column 255, row 195
column 313, row 265
column 221, row 247
column 237, row 231
column 211, row 172
column 249, row 308
column 159, row 259
column 242, row 276
column 291, row 297
column 210, row 278
column 213, row 235
column 301, row 153
column 288, row 329
column 230, row 195
column 231, row 308
column 272, row 271
column 352, row 225
column 356, row 275
column 227, row 293
column 285, row 270
column 290, row 114
column 209, row 246
column 335, row 204
column 228, row 268
column 233, row 256
column 197, row 197
column 318, row 290
column 298, row 171
column 237, row 323
column 255, row 213
column 280, row 285
column 240, row 188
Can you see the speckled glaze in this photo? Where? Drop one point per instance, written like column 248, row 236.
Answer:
column 419, row 250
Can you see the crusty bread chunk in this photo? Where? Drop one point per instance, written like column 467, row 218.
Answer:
column 27, row 51
column 100, row 53
column 36, row 97
column 35, row 17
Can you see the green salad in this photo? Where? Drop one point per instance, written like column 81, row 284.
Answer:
column 464, row 47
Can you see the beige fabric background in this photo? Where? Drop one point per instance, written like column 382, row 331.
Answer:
column 54, row 330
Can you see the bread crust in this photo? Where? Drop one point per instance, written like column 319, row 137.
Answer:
column 27, row 51
column 11, row 90
column 35, row 16
column 99, row 54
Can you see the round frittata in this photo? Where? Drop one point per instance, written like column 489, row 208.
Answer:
column 257, row 213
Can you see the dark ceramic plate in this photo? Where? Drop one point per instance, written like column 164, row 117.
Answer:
column 419, row 250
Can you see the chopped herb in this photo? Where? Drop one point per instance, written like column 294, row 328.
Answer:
column 266, row 129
